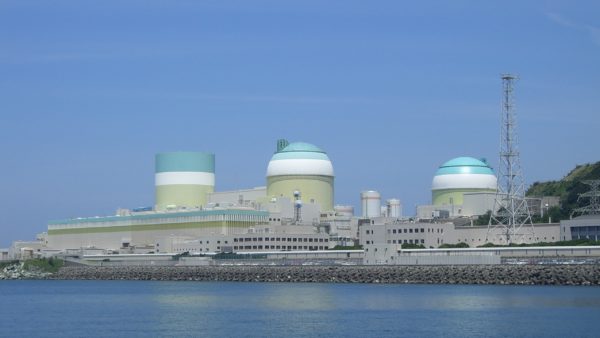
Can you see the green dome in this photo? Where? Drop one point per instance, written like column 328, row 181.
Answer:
column 300, row 150
column 301, row 146
column 465, row 165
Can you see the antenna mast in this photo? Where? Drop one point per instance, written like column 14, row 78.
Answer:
column 510, row 221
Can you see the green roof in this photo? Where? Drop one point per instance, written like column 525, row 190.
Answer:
column 464, row 165
column 301, row 146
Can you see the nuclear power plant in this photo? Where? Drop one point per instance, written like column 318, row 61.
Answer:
column 295, row 211
column 295, row 214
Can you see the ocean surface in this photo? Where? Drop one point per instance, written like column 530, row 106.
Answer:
column 206, row 309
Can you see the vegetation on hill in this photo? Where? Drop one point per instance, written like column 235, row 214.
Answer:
column 568, row 189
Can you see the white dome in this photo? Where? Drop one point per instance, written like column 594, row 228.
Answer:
column 464, row 173
column 300, row 159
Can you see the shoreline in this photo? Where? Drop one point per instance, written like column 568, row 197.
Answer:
column 584, row 275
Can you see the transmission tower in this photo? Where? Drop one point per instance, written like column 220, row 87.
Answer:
column 510, row 221
column 594, row 199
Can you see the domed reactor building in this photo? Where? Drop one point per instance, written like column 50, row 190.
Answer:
column 304, row 168
column 463, row 186
column 459, row 176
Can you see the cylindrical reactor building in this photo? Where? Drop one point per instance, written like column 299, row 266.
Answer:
column 301, row 167
column 459, row 176
column 183, row 179
column 371, row 204
column 394, row 208
column 344, row 210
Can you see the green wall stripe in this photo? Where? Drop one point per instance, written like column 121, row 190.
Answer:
column 151, row 227
column 185, row 161
column 171, row 215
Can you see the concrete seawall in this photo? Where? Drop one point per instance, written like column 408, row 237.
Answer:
column 473, row 274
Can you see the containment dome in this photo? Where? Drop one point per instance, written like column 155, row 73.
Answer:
column 300, row 158
column 461, row 175
column 303, row 167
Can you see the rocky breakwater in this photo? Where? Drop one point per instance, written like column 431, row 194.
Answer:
column 21, row 271
column 472, row 274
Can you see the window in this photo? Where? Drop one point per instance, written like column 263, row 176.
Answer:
column 394, row 231
column 422, row 229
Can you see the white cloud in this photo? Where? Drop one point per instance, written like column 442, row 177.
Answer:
column 592, row 31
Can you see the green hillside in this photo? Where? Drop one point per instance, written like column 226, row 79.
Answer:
column 568, row 188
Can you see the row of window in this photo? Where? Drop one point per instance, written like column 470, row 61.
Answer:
column 406, row 241
column 409, row 231
column 281, row 239
column 279, row 247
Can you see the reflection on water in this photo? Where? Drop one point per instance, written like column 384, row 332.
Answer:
column 300, row 297
column 123, row 308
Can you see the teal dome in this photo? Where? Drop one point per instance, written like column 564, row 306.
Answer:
column 301, row 146
column 465, row 165
column 300, row 150
column 300, row 158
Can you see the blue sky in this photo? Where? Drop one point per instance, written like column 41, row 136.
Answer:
column 91, row 90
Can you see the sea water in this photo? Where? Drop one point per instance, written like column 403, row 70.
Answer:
column 211, row 309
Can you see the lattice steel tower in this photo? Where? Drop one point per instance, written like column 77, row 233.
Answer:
column 594, row 199
column 510, row 220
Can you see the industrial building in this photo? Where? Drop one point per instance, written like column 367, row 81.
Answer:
column 294, row 211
